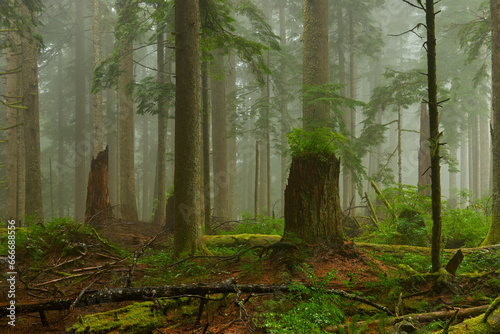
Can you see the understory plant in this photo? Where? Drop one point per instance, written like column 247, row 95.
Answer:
column 309, row 309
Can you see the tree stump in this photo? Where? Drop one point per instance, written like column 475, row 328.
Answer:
column 97, row 208
column 312, row 202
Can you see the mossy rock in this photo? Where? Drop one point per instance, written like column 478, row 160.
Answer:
column 241, row 239
column 136, row 318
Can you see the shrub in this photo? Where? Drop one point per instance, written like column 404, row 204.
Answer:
column 464, row 227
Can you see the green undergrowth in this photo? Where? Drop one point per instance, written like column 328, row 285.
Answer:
column 136, row 318
column 462, row 227
column 63, row 236
column 260, row 224
column 305, row 310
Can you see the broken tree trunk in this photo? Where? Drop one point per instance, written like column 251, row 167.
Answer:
column 312, row 202
column 152, row 292
column 97, row 207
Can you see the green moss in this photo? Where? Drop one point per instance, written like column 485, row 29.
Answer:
column 135, row 318
column 477, row 325
column 406, row 270
column 241, row 239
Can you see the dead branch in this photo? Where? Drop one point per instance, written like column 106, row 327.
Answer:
column 82, row 293
column 138, row 254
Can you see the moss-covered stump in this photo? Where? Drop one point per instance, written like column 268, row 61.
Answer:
column 480, row 325
column 136, row 318
column 241, row 239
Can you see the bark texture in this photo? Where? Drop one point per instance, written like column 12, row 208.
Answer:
column 80, row 104
column 493, row 236
column 187, row 179
column 424, row 154
column 128, row 204
column 205, row 110
column 284, row 114
column 312, row 202
column 97, row 103
column 161, row 164
column 315, row 58
column 434, row 137
column 219, row 140
column 231, row 136
column 13, row 101
column 98, row 204
column 34, row 205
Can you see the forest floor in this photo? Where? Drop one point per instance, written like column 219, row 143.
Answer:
column 382, row 275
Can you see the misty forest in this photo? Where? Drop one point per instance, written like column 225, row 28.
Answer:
column 250, row 166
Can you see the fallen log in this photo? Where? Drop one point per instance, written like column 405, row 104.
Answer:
column 423, row 318
column 152, row 292
column 487, row 323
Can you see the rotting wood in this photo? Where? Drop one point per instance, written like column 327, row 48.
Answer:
column 454, row 262
column 373, row 216
column 426, row 317
column 382, row 197
column 151, row 292
column 98, row 203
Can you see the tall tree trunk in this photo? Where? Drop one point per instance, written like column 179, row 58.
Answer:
column 205, row 110
column 474, row 155
column 452, row 197
column 256, row 191
column 13, row 100
column 61, row 198
column 33, row 185
column 400, row 150
column 97, row 102
column 231, row 136
column 113, row 154
column 80, row 104
column 312, row 202
column 146, row 213
column 464, row 164
column 346, row 176
column 265, row 115
column 128, row 204
column 284, row 116
column 434, row 136
column 353, row 92
column 187, row 188
column 493, row 236
column 161, row 165
column 424, row 154
column 219, row 142
column 485, row 152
